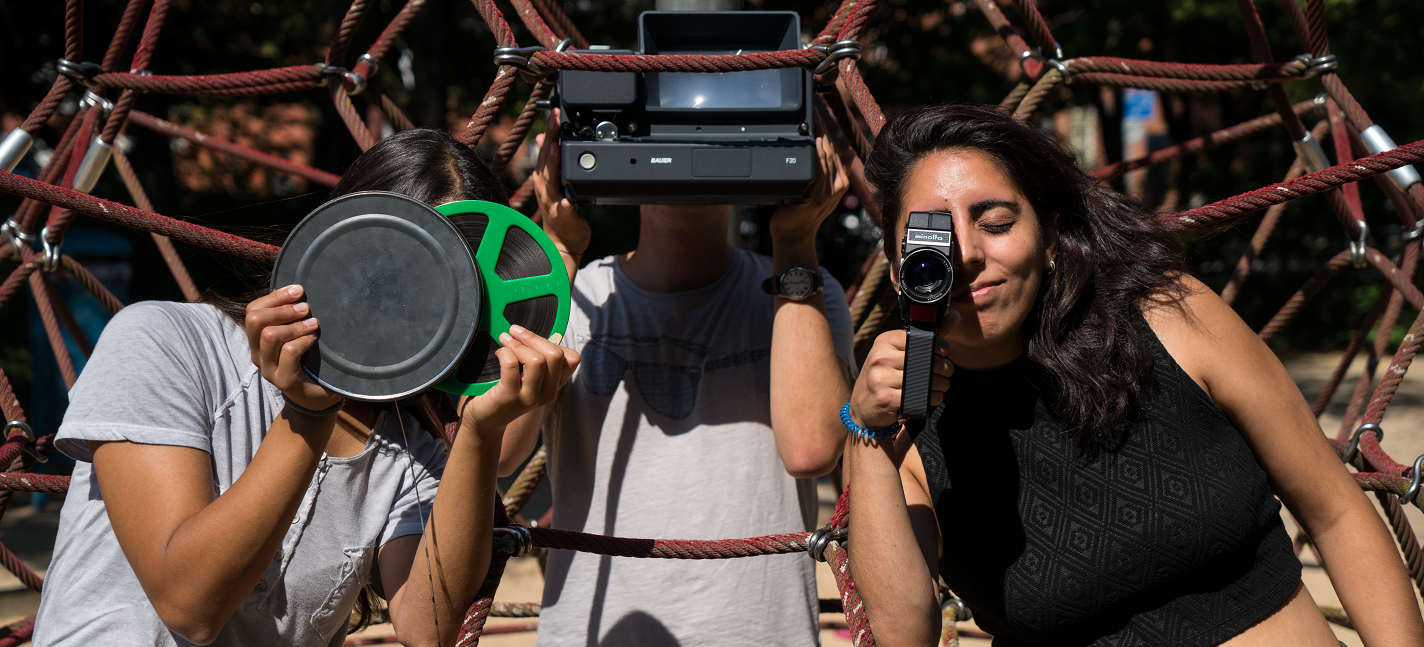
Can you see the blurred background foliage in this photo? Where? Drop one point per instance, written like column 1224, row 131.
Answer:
column 916, row 52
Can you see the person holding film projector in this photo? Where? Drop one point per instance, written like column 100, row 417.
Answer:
column 279, row 502
column 1111, row 432
column 703, row 409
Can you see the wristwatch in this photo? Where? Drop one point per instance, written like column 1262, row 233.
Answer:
column 796, row 284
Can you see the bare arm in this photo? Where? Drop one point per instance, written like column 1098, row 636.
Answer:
column 1247, row 381
column 894, row 537
column 808, row 382
column 196, row 556
column 435, row 577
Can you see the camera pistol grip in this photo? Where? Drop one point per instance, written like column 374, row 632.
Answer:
column 919, row 372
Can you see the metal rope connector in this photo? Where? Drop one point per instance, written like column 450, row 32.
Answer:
column 30, row 447
column 1055, row 61
column 10, row 231
column 1411, row 495
column 355, row 83
column 820, row 540
column 49, row 252
column 520, row 540
column 13, row 148
column 92, row 166
column 82, row 73
column 1354, row 449
column 92, row 98
column 1377, row 141
column 519, row 59
column 955, row 608
column 1308, row 149
column 328, row 71
column 835, row 53
column 1359, row 247
column 1317, row 65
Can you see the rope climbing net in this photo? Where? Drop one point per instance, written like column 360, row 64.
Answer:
column 847, row 110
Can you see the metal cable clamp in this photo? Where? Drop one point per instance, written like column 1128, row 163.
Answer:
column 82, row 73
column 519, row 540
column 10, row 231
column 519, row 59
column 13, row 148
column 49, row 252
column 1359, row 248
column 328, row 71
column 821, row 539
column 1055, row 61
column 1317, row 65
column 1354, row 449
column 835, row 53
column 32, row 448
column 957, row 607
column 92, row 98
column 356, row 83
column 1377, row 141
column 1411, row 495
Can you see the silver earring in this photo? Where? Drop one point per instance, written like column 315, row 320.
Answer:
column 1052, row 266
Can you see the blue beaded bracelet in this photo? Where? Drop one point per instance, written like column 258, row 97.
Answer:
column 873, row 433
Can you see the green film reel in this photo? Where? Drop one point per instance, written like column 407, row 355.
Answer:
column 524, row 282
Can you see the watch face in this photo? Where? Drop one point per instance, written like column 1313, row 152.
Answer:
column 796, row 284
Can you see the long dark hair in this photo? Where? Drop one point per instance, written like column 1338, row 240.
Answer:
column 434, row 168
column 1083, row 331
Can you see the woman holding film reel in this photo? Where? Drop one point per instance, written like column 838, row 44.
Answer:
column 1111, row 433
column 279, row 499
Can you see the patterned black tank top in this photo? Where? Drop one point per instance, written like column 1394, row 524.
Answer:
column 1172, row 537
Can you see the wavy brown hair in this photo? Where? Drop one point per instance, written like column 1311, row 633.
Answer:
column 1083, row 331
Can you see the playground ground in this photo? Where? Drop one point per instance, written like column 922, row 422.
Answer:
column 30, row 532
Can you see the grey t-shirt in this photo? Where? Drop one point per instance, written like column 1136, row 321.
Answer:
column 664, row 431
column 181, row 374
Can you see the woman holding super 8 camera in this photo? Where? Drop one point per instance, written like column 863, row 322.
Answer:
column 1112, row 435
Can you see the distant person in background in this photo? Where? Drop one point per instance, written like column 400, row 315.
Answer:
column 224, row 497
column 704, row 409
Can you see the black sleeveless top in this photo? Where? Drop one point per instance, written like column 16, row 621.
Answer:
column 1170, row 537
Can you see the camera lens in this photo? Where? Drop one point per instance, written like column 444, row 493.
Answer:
column 926, row 275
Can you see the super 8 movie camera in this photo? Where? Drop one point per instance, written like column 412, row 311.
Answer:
column 673, row 137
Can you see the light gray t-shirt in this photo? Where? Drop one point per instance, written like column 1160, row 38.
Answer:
column 181, row 374
column 665, row 432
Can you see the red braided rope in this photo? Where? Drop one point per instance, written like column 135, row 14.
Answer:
column 9, row 405
column 1225, row 211
column 791, row 542
column 43, row 483
column 1037, row 26
column 137, row 218
column 678, row 62
column 336, row 51
column 120, row 42
column 165, row 246
column 270, row 81
column 42, row 292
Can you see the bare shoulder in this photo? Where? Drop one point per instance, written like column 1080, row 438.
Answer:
column 1202, row 332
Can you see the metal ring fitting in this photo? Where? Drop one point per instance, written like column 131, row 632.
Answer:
column 1354, row 449
column 835, row 52
column 82, row 73
column 1062, row 70
column 521, row 541
column 821, row 539
column 1318, row 103
column 1359, row 247
column 1321, row 64
column 1412, row 494
column 92, row 98
column 10, row 231
column 1057, row 52
column 327, row 71
column 49, row 252
column 353, row 83
column 957, row 607
column 518, row 58
column 30, row 447
column 372, row 63
column 564, row 45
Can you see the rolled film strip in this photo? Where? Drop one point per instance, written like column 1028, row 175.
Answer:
column 411, row 297
column 524, row 282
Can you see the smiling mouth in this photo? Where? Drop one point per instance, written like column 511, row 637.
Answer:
column 971, row 292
